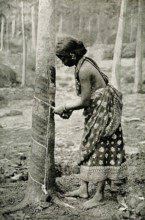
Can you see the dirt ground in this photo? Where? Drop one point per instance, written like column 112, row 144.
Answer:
column 15, row 143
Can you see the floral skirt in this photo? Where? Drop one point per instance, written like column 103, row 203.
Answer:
column 101, row 154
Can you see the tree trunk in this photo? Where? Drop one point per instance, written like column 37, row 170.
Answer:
column 138, row 59
column 89, row 27
column 2, row 33
column 33, row 29
column 99, row 40
column 23, row 82
column 42, row 168
column 7, row 35
column 80, row 31
column 72, row 17
column 13, row 27
column 118, row 47
column 60, row 24
column 132, row 26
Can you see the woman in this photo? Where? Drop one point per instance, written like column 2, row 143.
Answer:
column 101, row 155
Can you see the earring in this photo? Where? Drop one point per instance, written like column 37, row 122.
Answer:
column 73, row 56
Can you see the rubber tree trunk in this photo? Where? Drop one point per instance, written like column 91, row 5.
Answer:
column 80, row 31
column 33, row 32
column 42, row 168
column 60, row 24
column 2, row 33
column 89, row 27
column 118, row 47
column 138, row 59
column 72, row 17
column 23, row 82
column 132, row 26
column 99, row 40
column 7, row 35
column 13, row 27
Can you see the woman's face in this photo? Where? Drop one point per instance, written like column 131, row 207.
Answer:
column 66, row 60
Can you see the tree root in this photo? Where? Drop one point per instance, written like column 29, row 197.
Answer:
column 60, row 203
column 18, row 207
column 53, row 197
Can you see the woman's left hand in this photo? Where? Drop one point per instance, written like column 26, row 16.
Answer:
column 59, row 110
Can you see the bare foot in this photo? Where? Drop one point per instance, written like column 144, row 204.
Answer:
column 94, row 202
column 77, row 193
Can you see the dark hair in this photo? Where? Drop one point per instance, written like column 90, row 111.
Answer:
column 69, row 45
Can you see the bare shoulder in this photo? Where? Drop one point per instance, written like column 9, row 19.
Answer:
column 87, row 69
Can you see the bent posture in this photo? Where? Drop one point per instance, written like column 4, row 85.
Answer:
column 101, row 155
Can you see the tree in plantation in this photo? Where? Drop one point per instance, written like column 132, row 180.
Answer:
column 138, row 58
column 33, row 29
column 41, row 182
column 118, row 47
column 41, row 171
column 2, row 31
column 7, row 34
column 13, row 27
column 23, row 81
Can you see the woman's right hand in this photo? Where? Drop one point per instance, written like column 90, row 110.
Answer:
column 66, row 114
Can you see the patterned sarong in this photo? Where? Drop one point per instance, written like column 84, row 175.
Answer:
column 101, row 153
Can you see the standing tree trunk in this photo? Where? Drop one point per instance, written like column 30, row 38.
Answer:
column 13, row 27
column 138, row 59
column 41, row 182
column 89, row 27
column 80, row 31
column 72, row 17
column 7, row 35
column 33, row 29
column 118, row 47
column 23, row 82
column 99, row 40
column 60, row 24
column 2, row 33
column 42, row 168
column 132, row 26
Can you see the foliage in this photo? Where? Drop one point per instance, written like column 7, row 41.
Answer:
column 93, row 21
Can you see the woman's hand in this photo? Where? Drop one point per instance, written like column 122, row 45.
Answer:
column 59, row 110
column 66, row 114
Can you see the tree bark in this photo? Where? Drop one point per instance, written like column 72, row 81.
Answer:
column 23, row 82
column 99, row 40
column 42, row 168
column 80, row 31
column 13, row 27
column 60, row 24
column 138, row 59
column 7, row 35
column 118, row 47
column 132, row 26
column 33, row 29
column 72, row 17
column 2, row 33
column 89, row 26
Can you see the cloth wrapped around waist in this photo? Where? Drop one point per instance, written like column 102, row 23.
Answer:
column 104, row 112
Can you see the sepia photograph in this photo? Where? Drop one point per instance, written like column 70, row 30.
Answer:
column 72, row 109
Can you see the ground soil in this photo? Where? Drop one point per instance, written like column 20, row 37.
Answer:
column 15, row 144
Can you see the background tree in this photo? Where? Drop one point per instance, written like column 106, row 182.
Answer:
column 33, row 28
column 138, row 59
column 24, row 55
column 2, row 31
column 118, row 47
